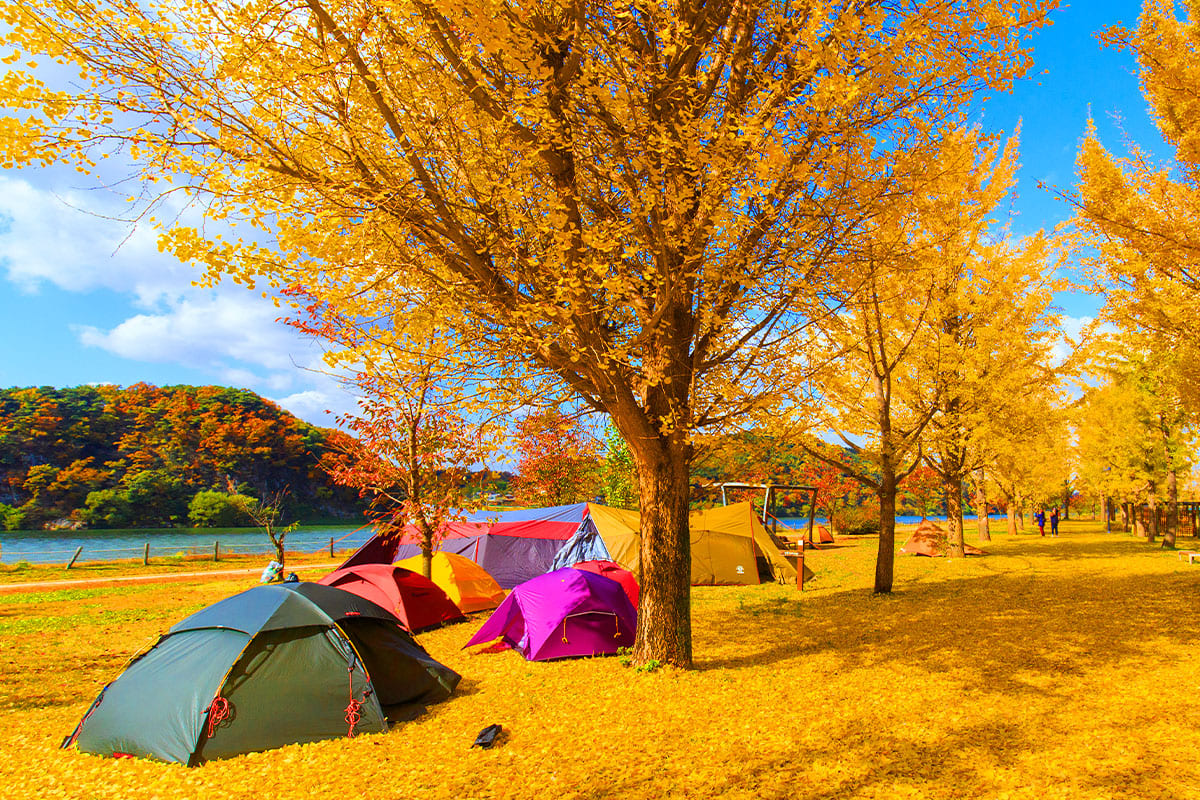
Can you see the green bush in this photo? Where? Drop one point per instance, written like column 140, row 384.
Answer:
column 213, row 509
column 870, row 526
column 859, row 520
column 11, row 519
column 107, row 508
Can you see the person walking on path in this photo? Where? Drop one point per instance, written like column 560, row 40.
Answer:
column 1040, row 519
column 1054, row 522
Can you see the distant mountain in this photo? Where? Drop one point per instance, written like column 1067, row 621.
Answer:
column 111, row 456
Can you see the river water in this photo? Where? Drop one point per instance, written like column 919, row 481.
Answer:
column 57, row 547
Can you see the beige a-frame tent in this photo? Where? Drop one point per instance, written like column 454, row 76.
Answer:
column 929, row 539
column 727, row 542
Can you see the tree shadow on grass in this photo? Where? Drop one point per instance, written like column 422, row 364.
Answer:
column 1063, row 548
column 962, row 758
column 1050, row 626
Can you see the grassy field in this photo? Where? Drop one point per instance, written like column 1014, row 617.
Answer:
column 1051, row 668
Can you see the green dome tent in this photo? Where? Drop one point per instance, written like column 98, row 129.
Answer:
column 271, row 666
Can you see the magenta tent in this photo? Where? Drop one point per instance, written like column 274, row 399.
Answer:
column 562, row 614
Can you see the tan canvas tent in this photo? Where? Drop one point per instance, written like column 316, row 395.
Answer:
column 621, row 531
column 726, row 544
column 929, row 539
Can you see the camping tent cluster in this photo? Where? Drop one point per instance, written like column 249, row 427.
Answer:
column 729, row 543
column 300, row 662
column 288, row 663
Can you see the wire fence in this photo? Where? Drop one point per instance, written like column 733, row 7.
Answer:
column 214, row 549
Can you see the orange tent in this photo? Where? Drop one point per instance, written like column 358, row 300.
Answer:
column 929, row 539
column 465, row 582
column 821, row 535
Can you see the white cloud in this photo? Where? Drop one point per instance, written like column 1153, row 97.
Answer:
column 312, row 404
column 71, row 239
column 210, row 330
column 233, row 335
column 75, row 240
column 1073, row 326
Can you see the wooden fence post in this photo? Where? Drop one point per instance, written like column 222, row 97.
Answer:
column 216, row 551
column 331, row 547
column 78, row 550
column 146, row 554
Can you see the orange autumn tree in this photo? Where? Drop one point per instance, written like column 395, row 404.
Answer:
column 558, row 461
column 410, row 459
column 411, row 452
column 631, row 205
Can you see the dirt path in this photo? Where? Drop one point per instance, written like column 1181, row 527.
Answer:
column 82, row 583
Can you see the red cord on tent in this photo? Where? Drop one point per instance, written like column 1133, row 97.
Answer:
column 218, row 712
column 353, row 708
column 617, row 622
column 353, row 715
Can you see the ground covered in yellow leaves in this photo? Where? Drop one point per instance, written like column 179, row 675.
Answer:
column 1051, row 668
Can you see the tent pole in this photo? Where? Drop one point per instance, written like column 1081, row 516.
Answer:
column 812, row 514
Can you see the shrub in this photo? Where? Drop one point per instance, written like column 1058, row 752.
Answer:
column 213, row 509
column 859, row 520
column 11, row 519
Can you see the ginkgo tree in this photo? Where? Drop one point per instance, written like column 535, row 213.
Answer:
column 1135, row 437
column 935, row 316
column 1141, row 220
column 1141, row 217
column 1025, row 455
column 632, row 204
column 995, row 329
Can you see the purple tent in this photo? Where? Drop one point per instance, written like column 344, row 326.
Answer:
column 513, row 546
column 568, row 612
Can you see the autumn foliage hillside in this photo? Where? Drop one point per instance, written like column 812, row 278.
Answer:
column 110, row 456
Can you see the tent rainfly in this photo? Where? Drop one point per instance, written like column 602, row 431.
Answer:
column 562, row 614
column 415, row 600
column 274, row 665
column 467, row 584
column 729, row 545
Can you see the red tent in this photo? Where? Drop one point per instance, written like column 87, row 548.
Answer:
column 611, row 569
column 412, row 597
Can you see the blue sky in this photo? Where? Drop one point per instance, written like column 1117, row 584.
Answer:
column 85, row 299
